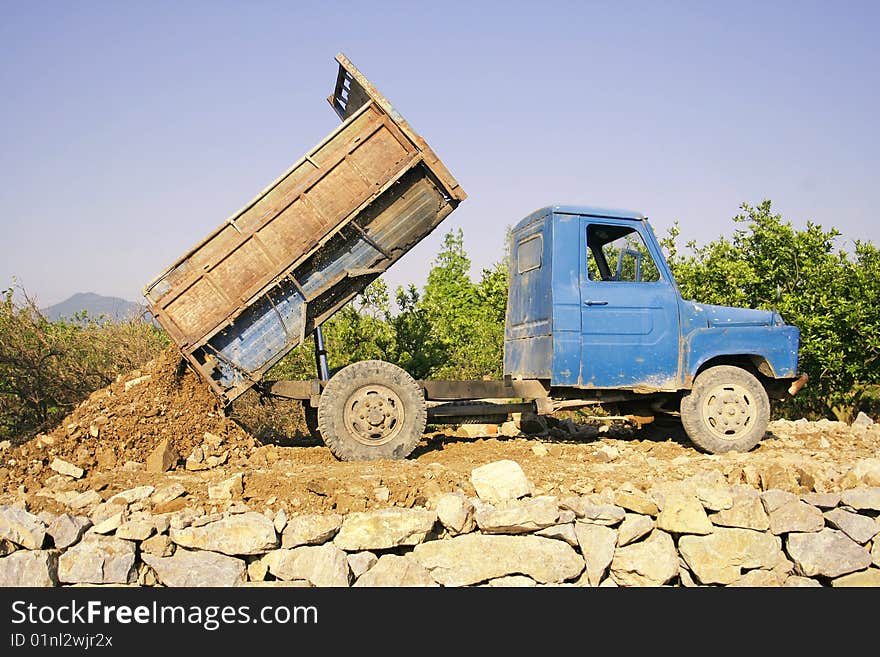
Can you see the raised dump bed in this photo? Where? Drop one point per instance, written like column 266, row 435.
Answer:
column 254, row 288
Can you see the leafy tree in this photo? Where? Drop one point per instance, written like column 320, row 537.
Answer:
column 813, row 284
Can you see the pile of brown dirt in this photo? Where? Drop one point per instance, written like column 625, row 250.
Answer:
column 126, row 421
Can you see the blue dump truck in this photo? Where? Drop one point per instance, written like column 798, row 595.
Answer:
column 594, row 316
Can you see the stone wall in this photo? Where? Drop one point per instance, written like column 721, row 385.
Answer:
column 697, row 532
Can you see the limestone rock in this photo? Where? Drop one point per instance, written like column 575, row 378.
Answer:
column 587, row 509
column 22, row 528
column 637, row 502
column 796, row 516
column 68, row 469
column 560, row 532
column 474, row 558
column 721, row 557
column 862, row 499
column 66, row 529
column 651, row 562
column 167, row 493
column 634, row 527
column 746, row 511
column 321, row 565
column 499, row 481
column 361, row 562
column 395, row 570
column 829, row 553
column 310, row 529
column 456, row 513
column 240, row 534
column 98, row 559
column 163, row 458
column 597, row 544
column 863, row 578
column 227, row 489
column 193, row 568
column 859, row 528
column 683, row 514
column 384, row 528
column 518, row 516
column 29, row 568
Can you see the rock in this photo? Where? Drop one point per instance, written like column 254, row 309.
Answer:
column 109, row 524
column 320, row 565
column 241, row 534
column 865, row 472
column 859, row 528
column 29, row 568
column 310, row 529
column 829, row 553
column 159, row 545
column 85, row 500
column 22, row 528
column 361, row 562
column 509, row 429
column 196, row 460
column 822, row 500
column 721, row 557
column 137, row 381
column 862, row 499
column 197, row 568
column 652, row 562
column 864, row 578
column 132, row 495
column 167, row 493
column 778, row 476
column 258, row 569
column 67, row 469
column 135, row 530
column 683, row 514
column 163, row 458
column 598, row 514
column 518, row 516
column 597, row 544
column 227, row 489
column 862, row 421
column 456, row 513
column 500, row 481
column 796, row 516
column 396, row 570
column 637, row 502
column 66, row 529
column 746, row 511
column 477, row 430
column 384, row 528
column 773, row 499
column 473, row 558
column 633, row 527
column 98, row 559
column 563, row 532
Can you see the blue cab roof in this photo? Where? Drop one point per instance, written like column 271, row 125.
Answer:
column 587, row 210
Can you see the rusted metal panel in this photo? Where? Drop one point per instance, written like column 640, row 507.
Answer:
column 251, row 291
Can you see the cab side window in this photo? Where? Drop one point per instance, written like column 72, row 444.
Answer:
column 619, row 254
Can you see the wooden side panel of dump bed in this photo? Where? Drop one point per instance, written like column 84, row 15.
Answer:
column 252, row 290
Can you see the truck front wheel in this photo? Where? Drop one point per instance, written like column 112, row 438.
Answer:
column 727, row 410
column 371, row 410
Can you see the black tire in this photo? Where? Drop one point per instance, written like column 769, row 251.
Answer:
column 727, row 410
column 372, row 410
column 488, row 418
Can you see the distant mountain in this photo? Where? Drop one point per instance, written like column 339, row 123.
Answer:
column 95, row 305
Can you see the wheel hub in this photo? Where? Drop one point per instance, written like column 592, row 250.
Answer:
column 729, row 411
column 373, row 415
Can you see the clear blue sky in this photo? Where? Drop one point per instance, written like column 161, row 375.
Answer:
column 131, row 130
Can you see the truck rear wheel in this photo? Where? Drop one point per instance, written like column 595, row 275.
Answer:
column 727, row 410
column 372, row 410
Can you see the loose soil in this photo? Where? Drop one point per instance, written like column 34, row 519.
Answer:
column 111, row 434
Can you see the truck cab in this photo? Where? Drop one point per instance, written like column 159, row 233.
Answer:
column 594, row 311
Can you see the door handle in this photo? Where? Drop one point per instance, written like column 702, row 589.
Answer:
column 595, row 303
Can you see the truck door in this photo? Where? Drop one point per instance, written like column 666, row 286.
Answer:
column 629, row 308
